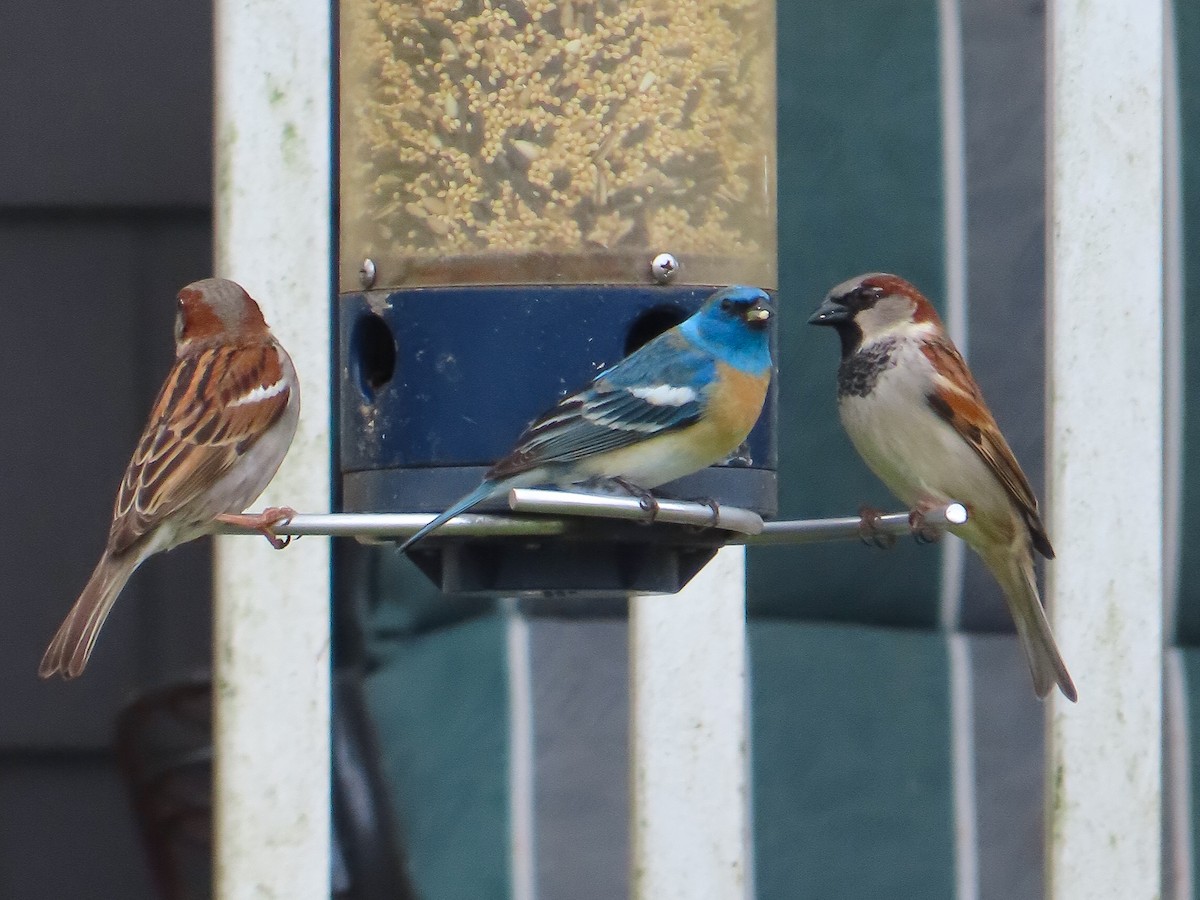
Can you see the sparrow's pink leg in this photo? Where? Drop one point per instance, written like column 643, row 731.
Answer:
column 924, row 534
column 264, row 523
column 869, row 532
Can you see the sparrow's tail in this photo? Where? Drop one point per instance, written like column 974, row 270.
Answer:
column 69, row 650
column 477, row 496
column 1014, row 571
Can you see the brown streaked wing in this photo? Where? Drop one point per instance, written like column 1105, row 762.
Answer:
column 196, row 433
column 958, row 400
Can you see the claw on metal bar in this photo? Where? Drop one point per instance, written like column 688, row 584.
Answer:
column 870, row 530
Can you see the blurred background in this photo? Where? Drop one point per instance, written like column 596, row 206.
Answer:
column 897, row 746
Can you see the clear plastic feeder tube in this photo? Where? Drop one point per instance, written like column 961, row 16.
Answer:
column 557, row 141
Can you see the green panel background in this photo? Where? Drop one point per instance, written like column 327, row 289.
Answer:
column 1187, row 37
column 860, row 189
column 851, row 733
column 852, row 794
column 1187, row 51
column 440, row 704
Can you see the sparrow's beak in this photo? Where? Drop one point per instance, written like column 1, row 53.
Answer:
column 758, row 315
column 831, row 312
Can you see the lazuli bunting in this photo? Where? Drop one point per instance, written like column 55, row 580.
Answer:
column 681, row 402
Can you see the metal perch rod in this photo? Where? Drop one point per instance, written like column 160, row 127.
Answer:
column 675, row 512
column 746, row 527
column 845, row 528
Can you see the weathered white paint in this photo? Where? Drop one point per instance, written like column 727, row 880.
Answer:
column 271, row 632
column 1105, row 472
column 691, row 793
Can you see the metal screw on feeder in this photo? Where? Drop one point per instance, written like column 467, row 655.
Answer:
column 366, row 273
column 664, row 268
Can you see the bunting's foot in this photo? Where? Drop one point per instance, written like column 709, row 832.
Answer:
column 645, row 499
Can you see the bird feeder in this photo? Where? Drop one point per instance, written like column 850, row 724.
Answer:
column 530, row 191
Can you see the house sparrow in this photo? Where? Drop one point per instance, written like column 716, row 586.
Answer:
column 217, row 433
column 914, row 413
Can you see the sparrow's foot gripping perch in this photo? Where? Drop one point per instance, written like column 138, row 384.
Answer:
column 646, row 499
column 264, row 523
column 921, row 530
column 869, row 531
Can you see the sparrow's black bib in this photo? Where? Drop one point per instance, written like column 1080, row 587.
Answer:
column 859, row 371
